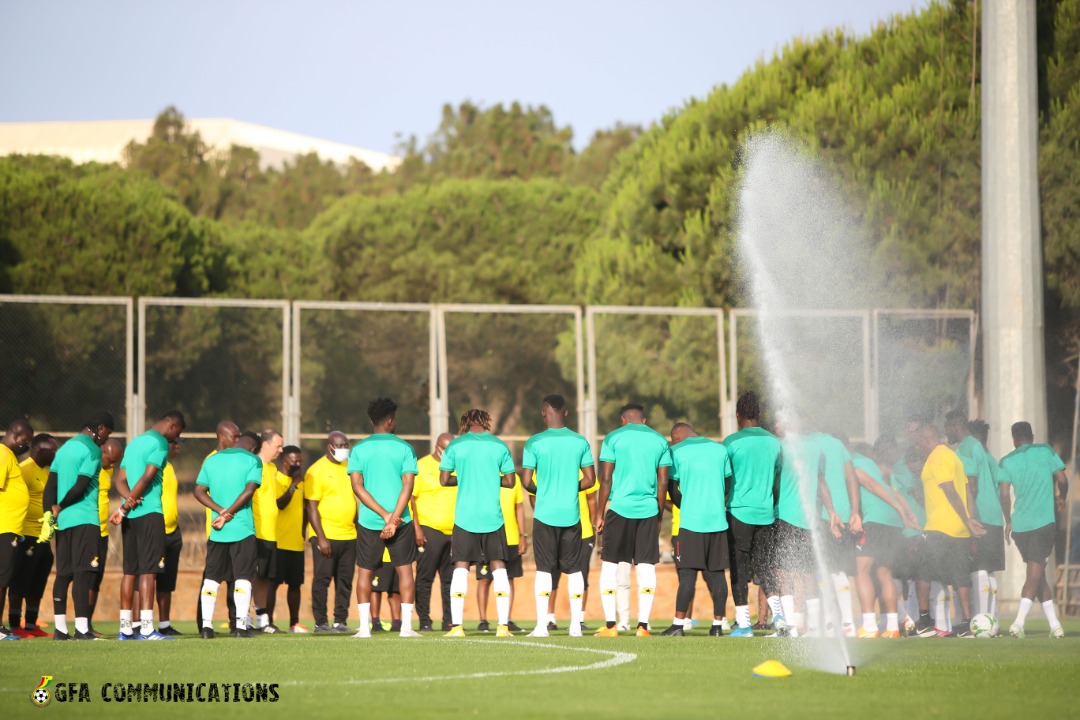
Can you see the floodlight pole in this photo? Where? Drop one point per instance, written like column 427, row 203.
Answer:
column 1014, row 358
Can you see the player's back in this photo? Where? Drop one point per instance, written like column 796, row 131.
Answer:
column 479, row 460
column 638, row 452
column 835, row 457
column 755, row 460
column 874, row 509
column 701, row 466
column 557, row 455
column 800, row 467
column 1030, row 469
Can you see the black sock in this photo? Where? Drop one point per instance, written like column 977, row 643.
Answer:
column 610, row 625
column 924, row 614
column 395, row 626
column 643, row 625
column 15, row 619
column 31, row 616
column 293, row 619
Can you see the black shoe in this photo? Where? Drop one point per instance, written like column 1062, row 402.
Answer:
column 242, row 633
column 483, row 626
column 963, row 630
column 716, row 631
column 924, row 627
column 207, row 633
column 57, row 635
column 324, row 629
column 426, row 627
column 169, row 631
column 762, row 626
column 673, row 631
column 585, row 628
column 552, row 626
column 447, row 627
column 512, row 626
column 271, row 629
column 342, row 628
column 95, row 633
column 376, row 625
column 84, row 636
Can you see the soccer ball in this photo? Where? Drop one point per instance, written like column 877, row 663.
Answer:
column 40, row 697
column 984, row 625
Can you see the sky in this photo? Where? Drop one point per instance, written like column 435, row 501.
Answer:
column 369, row 73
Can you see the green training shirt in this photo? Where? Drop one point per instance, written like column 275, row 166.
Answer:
column 701, row 466
column 557, row 455
column 1030, row 469
column 150, row 448
column 78, row 456
column 226, row 474
column 874, row 509
column 480, row 460
column 799, row 470
column 382, row 459
column 755, row 461
column 836, row 457
column 977, row 463
column 903, row 482
column 638, row 452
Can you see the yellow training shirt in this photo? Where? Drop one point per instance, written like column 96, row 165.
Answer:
column 169, row 490
column 104, row 485
column 509, row 499
column 14, row 497
column 35, row 478
column 264, row 504
column 675, row 514
column 434, row 503
column 944, row 466
column 290, row 521
column 583, row 501
column 328, row 483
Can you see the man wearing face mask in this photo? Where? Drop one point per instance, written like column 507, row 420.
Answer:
column 72, row 493
column 34, row 561
column 331, row 511
column 14, row 500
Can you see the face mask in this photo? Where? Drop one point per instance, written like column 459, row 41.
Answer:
column 341, row 454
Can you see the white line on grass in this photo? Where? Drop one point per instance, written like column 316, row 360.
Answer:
column 613, row 658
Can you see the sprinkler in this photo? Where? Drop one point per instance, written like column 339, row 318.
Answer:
column 851, row 671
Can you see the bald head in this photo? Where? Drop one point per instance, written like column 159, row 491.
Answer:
column 227, row 433
column 441, row 443
column 680, row 431
column 111, row 453
column 337, row 446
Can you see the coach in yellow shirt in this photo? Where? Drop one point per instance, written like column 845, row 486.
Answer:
column 14, row 500
column 433, row 516
column 291, row 527
column 949, row 528
column 331, row 513
column 174, row 541
column 513, row 509
column 264, row 509
column 34, row 560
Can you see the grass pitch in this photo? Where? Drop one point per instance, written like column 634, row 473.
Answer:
column 695, row 676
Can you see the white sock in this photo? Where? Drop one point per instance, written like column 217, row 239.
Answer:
column 146, row 622
column 948, row 607
column 980, row 586
column 542, row 588
column 742, row 615
column 912, row 602
column 787, row 606
column 937, row 606
column 406, row 616
column 716, row 622
column 892, row 621
column 869, row 622
column 797, row 620
column 500, row 584
column 608, row 589
column 242, row 599
column 262, row 620
column 162, row 624
column 688, row 623
column 993, row 596
column 776, row 607
column 623, row 593
column 842, row 583
column 551, row 616
column 459, row 585
column 363, row 610
column 646, row 581
column 82, row 625
column 813, row 614
column 1021, row 614
column 60, row 623
column 575, row 585
column 1048, row 610
column 125, row 622
column 207, row 599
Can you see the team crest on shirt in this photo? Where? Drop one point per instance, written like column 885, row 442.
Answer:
column 40, row 697
column 94, row 562
column 161, row 562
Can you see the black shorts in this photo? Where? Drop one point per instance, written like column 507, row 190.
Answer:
column 882, row 543
column 77, row 549
column 9, row 550
column 33, row 563
column 839, row 551
column 909, row 558
column 231, row 560
column 588, row 545
column 370, row 547
column 946, row 560
column 144, row 544
column 793, row 548
column 385, row 579
column 1036, row 545
column 515, row 568
column 289, row 567
column 174, row 543
column 556, row 549
column 702, row 551
column 480, row 548
column 756, row 541
column 264, row 558
column 990, row 550
column 632, row 540
column 99, row 568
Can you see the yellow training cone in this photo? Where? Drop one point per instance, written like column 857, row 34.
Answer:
column 772, row 669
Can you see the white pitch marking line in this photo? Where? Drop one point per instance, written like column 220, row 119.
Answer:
column 614, row 658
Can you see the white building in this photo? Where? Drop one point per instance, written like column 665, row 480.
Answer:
column 104, row 141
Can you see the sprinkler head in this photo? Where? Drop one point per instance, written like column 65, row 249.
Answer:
column 851, row 671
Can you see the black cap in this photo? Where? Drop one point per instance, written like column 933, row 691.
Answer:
column 100, row 418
